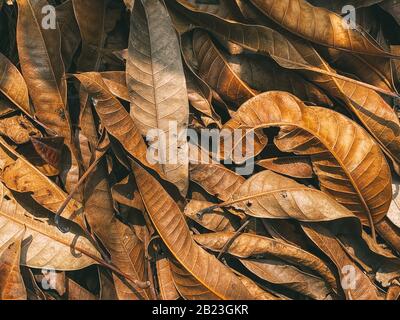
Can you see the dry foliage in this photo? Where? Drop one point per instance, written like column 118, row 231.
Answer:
column 85, row 214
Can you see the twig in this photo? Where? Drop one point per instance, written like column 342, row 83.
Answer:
column 57, row 219
column 139, row 284
column 228, row 244
column 202, row 212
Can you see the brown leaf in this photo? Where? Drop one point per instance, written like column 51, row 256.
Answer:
column 169, row 222
column 334, row 143
column 77, row 292
column 13, row 85
column 123, row 245
column 11, row 284
column 319, row 25
column 49, row 149
column 246, row 245
column 370, row 108
column 223, row 9
column 390, row 232
column 188, row 286
column 279, row 272
column 116, row 83
column 261, row 39
column 42, row 67
column 156, row 83
column 217, row 220
column 215, row 70
column 39, row 50
column 373, row 70
column 296, row 167
column 19, row 175
column 393, row 292
column 264, row 74
column 96, row 20
column 117, row 121
column 216, row 179
column 356, row 285
column 165, row 280
column 200, row 96
column 121, row 242
column 69, row 30
column 269, row 195
column 44, row 244
column 18, row 129
column 257, row 292
column 56, row 281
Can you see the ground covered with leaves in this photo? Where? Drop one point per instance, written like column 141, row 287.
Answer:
column 104, row 196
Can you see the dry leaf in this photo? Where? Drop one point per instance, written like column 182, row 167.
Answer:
column 156, row 84
column 169, row 222
column 11, row 284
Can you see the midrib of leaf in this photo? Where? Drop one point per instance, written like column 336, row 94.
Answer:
column 266, row 193
column 14, row 262
column 102, row 38
column 132, row 266
column 377, row 71
column 241, row 239
column 154, row 90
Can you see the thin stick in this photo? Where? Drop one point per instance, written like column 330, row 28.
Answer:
column 202, row 212
column 372, row 228
column 57, row 219
column 228, row 244
column 139, row 284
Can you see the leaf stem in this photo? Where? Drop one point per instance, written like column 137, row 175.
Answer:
column 57, row 219
column 228, row 244
column 139, row 284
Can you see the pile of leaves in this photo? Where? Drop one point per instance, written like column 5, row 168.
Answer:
column 84, row 213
